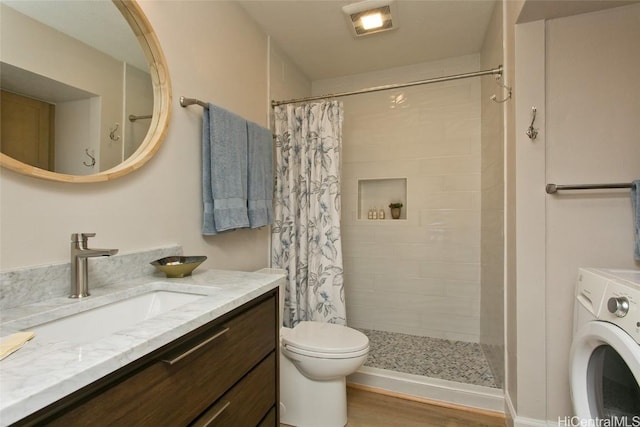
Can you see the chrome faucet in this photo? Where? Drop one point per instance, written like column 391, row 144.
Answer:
column 79, row 267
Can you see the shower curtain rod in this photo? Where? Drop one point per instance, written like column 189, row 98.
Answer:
column 495, row 71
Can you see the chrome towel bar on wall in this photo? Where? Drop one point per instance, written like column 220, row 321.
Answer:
column 554, row 188
column 185, row 102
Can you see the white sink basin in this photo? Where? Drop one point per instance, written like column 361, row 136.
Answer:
column 104, row 320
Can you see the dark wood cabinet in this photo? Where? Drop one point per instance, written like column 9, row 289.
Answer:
column 222, row 374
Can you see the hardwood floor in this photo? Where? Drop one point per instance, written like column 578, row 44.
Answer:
column 370, row 409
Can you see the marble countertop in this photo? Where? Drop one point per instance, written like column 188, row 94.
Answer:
column 41, row 373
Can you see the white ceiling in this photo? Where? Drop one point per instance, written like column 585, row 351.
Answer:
column 315, row 35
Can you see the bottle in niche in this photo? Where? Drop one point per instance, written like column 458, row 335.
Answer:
column 370, row 214
column 374, row 214
column 381, row 214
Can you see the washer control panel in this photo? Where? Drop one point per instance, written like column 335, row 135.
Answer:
column 614, row 296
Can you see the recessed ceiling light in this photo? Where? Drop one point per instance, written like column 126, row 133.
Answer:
column 371, row 21
column 371, row 16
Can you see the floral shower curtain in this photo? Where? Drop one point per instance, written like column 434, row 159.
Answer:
column 306, row 230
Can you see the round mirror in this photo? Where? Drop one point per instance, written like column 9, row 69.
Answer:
column 85, row 90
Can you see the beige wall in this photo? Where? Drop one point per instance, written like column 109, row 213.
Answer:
column 581, row 74
column 593, row 106
column 530, row 222
column 286, row 80
column 138, row 99
column 214, row 52
column 77, row 127
column 492, row 210
column 510, row 16
column 400, row 275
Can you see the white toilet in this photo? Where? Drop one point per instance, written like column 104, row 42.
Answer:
column 315, row 358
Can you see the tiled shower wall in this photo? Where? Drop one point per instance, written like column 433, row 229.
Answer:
column 419, row 275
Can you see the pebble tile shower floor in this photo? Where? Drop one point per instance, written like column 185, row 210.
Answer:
column 458, row 361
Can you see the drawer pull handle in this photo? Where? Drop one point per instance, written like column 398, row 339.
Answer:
column 196, row 348
column 214, row 416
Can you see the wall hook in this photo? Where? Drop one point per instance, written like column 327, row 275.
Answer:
column 112, row 133
column 494, row 98
column 93, row 159
column 532, row 132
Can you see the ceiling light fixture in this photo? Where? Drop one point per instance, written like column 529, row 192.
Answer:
column 371, row 16
column 371, row 21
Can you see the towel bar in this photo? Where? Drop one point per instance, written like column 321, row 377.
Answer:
column 133, row 117
column 185, row 102
column 553, row 188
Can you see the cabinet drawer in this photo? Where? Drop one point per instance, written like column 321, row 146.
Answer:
column 270, row 420
column 180, row 384
column 247, row 402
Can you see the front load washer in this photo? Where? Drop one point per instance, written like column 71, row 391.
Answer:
column 605, row 351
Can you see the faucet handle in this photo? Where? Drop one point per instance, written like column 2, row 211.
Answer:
column 81, row 237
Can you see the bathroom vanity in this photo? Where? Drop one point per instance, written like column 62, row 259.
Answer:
column 211, row 361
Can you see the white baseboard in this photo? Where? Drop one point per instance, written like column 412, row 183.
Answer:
column 530, row 422
column 519, row 421
column 469, row 395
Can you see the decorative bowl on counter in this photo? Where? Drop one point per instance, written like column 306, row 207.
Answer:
column 178, row 266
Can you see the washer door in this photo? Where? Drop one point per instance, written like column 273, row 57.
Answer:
column 605, row 372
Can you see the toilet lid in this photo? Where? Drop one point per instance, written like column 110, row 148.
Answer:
column 325, row 338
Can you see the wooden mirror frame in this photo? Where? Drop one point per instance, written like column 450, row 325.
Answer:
column 150, row 45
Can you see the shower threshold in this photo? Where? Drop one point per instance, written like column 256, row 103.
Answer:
column 432, row 390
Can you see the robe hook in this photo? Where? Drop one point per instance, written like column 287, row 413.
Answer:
column 93, row 159
column 532, row 132
column 494, row 98
column 112, row 133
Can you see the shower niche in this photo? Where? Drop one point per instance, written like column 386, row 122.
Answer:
column 377, row 194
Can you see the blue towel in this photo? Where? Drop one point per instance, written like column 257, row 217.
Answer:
column 224, row 171
column 260, row 175
column 635, row 202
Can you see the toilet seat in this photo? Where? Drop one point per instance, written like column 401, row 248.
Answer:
column 326, row 355
column 325, row 340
